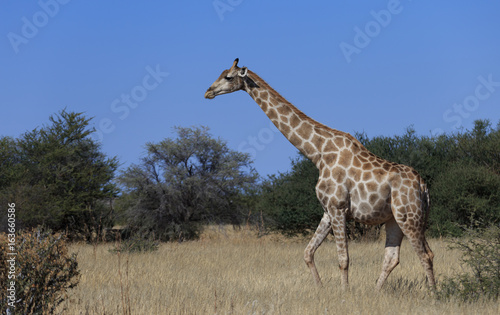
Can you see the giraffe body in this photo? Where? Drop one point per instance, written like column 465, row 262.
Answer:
column 353, row 183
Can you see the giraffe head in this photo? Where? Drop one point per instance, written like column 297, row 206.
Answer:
column 231, row 80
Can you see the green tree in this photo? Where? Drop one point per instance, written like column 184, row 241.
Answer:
column 480, row 146
column 466, row 191
column 184, row 182
column 9, row 161
column 289, row 199
column 58, row 177
column 464, row 195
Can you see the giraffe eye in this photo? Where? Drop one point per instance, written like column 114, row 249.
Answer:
column 228, row 78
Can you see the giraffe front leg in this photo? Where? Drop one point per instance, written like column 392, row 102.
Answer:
column 338, row 219
column 319, row 236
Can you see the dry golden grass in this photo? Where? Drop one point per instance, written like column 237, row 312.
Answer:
column 235, row 272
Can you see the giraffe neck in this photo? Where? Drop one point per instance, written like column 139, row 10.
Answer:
column 303, row 132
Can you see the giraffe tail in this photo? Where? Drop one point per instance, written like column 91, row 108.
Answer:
column 426, row 203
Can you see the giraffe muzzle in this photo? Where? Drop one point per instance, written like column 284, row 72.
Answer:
column 209, row 94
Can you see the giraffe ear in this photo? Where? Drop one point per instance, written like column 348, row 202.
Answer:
column 243, row 72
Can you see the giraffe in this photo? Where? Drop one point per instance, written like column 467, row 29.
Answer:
column 353, row 182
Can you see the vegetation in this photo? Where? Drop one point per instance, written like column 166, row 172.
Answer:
column 136, row 243
column 464, row 195
column 183, row 183
column 232, row 271
column 289, row 199
column 44, row 272
column 58, row 177
column 61, row 180
column 481, row 262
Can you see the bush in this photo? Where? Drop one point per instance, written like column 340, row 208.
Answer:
column 481, row 256
column 44, row 271
column 289, row 200
column 462, row 195
column 136, row 244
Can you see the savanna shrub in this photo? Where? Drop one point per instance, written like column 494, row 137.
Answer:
column 467, row 195
column 481, row 258
column 44, row 271
column 136, row 243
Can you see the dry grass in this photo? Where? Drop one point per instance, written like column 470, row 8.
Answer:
column 235, row 272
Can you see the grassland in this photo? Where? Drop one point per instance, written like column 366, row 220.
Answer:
column 235, row 272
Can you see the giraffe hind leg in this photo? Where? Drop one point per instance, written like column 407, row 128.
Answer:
column 412, row 222
column 319, row 236
column 415, row 234
column 394, row 236
column 426, row 256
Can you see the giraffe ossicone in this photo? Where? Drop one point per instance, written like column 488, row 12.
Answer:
column 353, row 182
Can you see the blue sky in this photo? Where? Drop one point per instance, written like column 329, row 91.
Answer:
column 141, row 68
